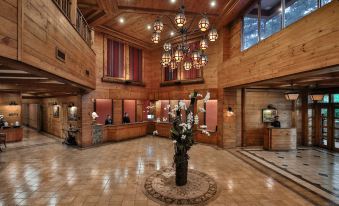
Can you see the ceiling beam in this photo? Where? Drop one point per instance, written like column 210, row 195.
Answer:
column 161, row 12
column 231, row 10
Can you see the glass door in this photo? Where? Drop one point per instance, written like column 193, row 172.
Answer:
column 336, row 128
column 324, row 127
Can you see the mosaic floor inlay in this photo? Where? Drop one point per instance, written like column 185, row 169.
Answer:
column 200, row 188
column 318, row 167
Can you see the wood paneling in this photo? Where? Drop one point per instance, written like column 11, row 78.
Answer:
column 46, row 30
column 258, row 100
column 12, row 113
column 280, row 139
column 13, row 134
column 9, row 29
column 285, row 53
column 117, row 133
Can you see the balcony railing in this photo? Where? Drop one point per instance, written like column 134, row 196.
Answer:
column 79, row 21
column 83, row 27
column 64, row 6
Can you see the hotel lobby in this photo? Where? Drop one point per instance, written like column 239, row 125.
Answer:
column 169, row 102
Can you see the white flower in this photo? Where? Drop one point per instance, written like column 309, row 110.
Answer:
column 203, row 126
column 196, row 119
column 207, row 97
column 189, row 126
column 201, row 109
column 174, row 141
column 155, row 132
column 182, row 105
column 172, row 114
column 190, row 118
column 199, row 95
column 206, row 132
column 183, row 137
column 164, row 119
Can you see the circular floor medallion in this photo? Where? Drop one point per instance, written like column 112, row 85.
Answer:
column 199, row 190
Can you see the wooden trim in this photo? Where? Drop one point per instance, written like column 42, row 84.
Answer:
column 122, row 81
column 243, row 122
column 182, row 82
column 20, row 27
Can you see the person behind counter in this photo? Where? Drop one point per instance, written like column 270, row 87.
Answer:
column 276, row 122
column 125, row 119
column 108, row 120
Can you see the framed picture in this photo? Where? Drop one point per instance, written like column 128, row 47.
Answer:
column 268, row 115
column 72, row 113
column 56, row 111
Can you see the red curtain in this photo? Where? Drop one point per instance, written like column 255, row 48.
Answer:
column 170, row 74
column 115, row 59
column 135, row 64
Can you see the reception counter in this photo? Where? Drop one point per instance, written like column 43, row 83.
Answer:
column 13, row 134
column 280, row 139
column 115, row 133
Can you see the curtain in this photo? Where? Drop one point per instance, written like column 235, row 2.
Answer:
column 135, row 64
column 170, row 74
column 115, row 59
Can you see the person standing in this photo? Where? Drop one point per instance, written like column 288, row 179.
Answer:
column 108, row 120
column 276, row 122
column 125, row 119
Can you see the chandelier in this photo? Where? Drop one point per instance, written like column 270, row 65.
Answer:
column 182, row 54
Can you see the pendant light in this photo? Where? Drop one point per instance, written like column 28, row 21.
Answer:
column 178, row 55
column 158, row 26
column 196, row 56
column 156, row 37
column 291, row 95
column 204, row 24
column 167, row 46
column 180, row 18
column 203, row 44
column 203, row 59
column 173, row 65
column 187, row 65
column 166, row 57
column 317, row 97
column 213, row 35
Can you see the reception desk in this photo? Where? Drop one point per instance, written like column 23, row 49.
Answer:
column 280, row 139
column 115, row 133
column 13, row 134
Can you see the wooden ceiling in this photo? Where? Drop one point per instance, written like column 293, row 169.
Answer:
column 33, row 83
column 319, row 79
column 104, row 16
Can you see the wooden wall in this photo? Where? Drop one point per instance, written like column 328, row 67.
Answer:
column 9, row 28
column 12, row 113
column 256, row 101
column 32, row 30
column 309, row 44
column 55, row 125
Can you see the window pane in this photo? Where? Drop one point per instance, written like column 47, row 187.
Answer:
column 270, row 21
column 336, row 113
column 250, row 27
column 335, row 98
column 324, row 2
column 326, row 99
column 296, row 9
column 115, row 59
column 135, row 64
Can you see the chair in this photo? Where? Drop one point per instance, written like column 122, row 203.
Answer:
column 2, row 140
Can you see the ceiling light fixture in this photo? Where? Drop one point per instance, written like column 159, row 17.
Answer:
column 292, row 96
column 172, row 1
column 121, row 20
column 172, row 33
column 155, row 37
column 204, row 23
column 213, row 3
column 149, row 27
column 158, row 26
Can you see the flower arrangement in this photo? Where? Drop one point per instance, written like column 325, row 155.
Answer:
column 182, row 134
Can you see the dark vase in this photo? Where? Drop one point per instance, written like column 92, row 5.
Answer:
column 181, row 170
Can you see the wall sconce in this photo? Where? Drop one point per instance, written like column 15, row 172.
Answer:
column 317, row 97
column 230, row 112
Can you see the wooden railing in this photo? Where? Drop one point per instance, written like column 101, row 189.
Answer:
column 64, row 6
column 83, row 27
column 78, row 20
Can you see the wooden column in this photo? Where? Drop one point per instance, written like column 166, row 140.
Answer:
column 304, row 119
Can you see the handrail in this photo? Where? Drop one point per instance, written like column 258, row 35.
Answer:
column 81, row 24
column 82, row 27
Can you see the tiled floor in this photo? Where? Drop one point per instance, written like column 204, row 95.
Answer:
column 32, row 138
column 318, row 167
column 54, row 174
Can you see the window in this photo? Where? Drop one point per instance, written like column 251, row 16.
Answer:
column 270, row 14
column 170, row 74
column 326, row 99
column 335, row 98
column 250, row 27
column 115, row 59
column 324, row 2
column 270, row 18
column 296, row 9
column 135, row 64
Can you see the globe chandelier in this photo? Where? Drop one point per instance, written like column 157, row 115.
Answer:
column 181, row 54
